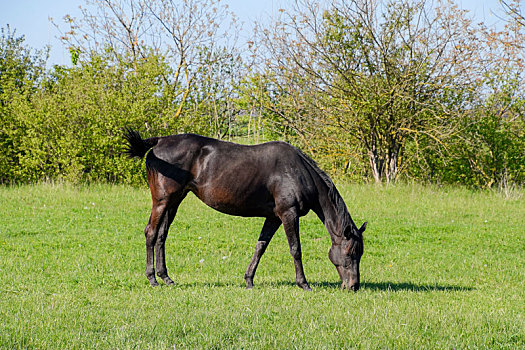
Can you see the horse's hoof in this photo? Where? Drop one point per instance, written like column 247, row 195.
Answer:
column 168, row 281
column 305, row 286
column 153, row 282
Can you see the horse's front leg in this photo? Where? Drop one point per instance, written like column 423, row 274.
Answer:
column 290, row 221
column 270, row 226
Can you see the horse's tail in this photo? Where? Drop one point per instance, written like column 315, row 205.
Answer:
column 137, row 146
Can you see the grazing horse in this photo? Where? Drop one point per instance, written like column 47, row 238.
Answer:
column 273, row 180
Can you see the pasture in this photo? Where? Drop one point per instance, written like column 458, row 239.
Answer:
column 442, row 268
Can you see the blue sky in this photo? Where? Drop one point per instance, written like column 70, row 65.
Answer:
column 31, row 18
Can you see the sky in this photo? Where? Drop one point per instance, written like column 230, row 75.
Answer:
column 31, row 18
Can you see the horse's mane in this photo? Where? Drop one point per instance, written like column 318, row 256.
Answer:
column 333, row 194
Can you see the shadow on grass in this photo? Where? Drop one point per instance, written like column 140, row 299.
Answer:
column 398, row 286
column 407, row 286
column 374, row 286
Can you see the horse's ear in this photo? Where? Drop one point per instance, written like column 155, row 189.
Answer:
column 363, row 228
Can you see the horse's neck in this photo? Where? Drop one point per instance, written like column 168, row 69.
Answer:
column 333, row 213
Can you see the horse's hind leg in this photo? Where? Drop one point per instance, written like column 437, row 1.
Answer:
column 151, row 232
column 160, row 255
column 162, row 215
column 270, row 226
column 166, row 196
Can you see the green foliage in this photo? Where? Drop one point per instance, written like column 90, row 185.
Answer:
column 441, row 269
column 492, row 146
column 213, row 99
column 75, row 53
column 21, row 70
column 68, row 124
column 71, row 128
column 372, row 77
column 397, row 90
column 488, row 148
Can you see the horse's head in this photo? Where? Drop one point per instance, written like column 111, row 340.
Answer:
column 346, row 257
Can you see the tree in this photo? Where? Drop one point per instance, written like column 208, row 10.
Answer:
column 213, row 101
column 491, row 147
column 177, row 30
column 513, row 10
column 385, row 73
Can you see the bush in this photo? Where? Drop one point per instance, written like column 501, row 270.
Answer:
column 21, row 71
column 71, row 128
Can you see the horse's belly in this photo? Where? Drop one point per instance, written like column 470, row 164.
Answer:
column 240, row 204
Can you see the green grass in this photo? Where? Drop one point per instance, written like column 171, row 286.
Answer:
column 443, row 268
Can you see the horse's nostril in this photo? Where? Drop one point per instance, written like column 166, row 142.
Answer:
column 355, row 287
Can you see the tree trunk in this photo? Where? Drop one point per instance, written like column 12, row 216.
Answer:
column 392, row 164
column 375, row 164
column 391, row 169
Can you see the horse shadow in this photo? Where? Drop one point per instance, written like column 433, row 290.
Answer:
column 372, row 286
column 398, row 287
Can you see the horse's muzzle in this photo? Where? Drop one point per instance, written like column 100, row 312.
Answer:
column 350, row 286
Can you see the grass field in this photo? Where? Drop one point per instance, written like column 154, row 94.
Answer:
column 443, row 268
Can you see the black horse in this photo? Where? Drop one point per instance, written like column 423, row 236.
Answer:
column 273, row 180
